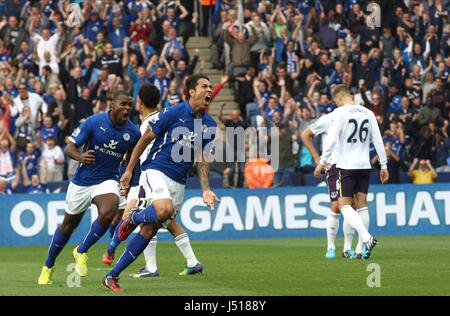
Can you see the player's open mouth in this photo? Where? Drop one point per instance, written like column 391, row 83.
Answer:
column 208, row 99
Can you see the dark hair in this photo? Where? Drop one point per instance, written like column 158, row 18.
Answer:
column 118, row 93
column 149, row 95
column 191, row 82
column 47, row 68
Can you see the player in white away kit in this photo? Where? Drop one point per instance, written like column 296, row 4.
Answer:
column 320, row 127
column 354, row 126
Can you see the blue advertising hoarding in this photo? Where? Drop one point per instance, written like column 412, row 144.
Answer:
column 242, row 213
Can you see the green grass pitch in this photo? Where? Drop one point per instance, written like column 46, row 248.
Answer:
column 414, row 265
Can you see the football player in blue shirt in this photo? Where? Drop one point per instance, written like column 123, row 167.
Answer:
column 147, row 102
column 106, row 138
column 185, row 128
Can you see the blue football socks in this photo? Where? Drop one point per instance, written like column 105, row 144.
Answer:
column 96, row 232
column 147, row 215
column 57, row 244
column 115, row 241
column 134, row 249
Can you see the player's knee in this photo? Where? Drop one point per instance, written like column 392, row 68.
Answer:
column 105, row 218
column 164, row 213
column 117, row 218
column 148, row 230
column 67, row 228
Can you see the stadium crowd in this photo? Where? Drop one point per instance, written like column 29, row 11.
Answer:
column 61, row 61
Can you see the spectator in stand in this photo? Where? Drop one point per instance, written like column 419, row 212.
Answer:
column 4, row 188
column 259, row 173
column 394, row 140
column 263, row 37
column 60, row 111
column 83, row 107
column 325, row 105
column 111, row 60
column 141, row 28
column 173, row 96
column 235, row 144
column 206, row 7
column 34, row 101
column 430, row 113
column 286, row 141
column 5, row 111
column 442, row 153
column 245, row 93
column 93, row 25
column 52, row 160
column 34, row 185
column 365, row 71
column 25, row 129
column 170, row 13
column 7, row 159
column 424, row 174
column 240, row 49
column 46, row 45
column 49, row 129
column 117, row 31
column 160, row 80
column 29, row 160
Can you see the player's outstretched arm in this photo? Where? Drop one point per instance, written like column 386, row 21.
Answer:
column 209, row 197
column 137, row 152
column 86, row 158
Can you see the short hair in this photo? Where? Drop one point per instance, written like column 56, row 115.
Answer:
column 192, row 81
column 341, row 89
column 118, row 93
column 47, row 68
column 149, row 95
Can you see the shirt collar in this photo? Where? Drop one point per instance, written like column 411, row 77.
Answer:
column 189, row 109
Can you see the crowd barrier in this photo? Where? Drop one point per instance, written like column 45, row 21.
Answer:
column 289, row 180
column 267, row 213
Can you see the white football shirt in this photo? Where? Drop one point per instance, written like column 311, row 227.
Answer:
column 321, row 127
column 351, row 132
column 151, row 118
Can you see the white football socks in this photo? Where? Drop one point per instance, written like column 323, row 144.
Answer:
column 332, row 228
column 184, row 245
column 356, row 222
column 364, row 214
column 348, row 235
column 150, row 255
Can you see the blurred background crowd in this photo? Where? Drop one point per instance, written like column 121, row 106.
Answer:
column 60, row 62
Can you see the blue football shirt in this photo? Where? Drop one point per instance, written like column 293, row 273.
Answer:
column 32, row 163
column 110, row 143
column 179, row 134
column 39, row 189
